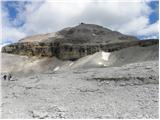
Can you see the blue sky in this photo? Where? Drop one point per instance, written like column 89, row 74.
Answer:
column 25, row 18
column 154, row 16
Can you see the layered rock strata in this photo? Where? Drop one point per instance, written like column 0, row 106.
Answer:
column 69, row 51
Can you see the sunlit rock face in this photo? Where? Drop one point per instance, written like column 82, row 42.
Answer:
column 75, row 42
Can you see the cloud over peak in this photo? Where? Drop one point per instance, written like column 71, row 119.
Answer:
column 128, row 17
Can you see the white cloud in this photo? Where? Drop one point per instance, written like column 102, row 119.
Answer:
column 150, row 29
column 52, row 16
column 128, row 17
column 133, row 26
column 12, row 34
column 9, row 32
column 55, row 15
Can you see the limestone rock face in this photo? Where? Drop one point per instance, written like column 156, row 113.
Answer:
column 75, row 42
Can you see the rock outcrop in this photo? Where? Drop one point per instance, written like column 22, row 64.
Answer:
column 75, row 42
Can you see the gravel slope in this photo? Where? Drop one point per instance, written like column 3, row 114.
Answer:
column 50, row 88
column 134, row 54
column 130, row 91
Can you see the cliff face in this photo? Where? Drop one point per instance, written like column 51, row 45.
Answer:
column 67, row 51
column 74, row 43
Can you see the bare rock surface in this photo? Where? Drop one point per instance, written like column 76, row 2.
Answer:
column 130, row 91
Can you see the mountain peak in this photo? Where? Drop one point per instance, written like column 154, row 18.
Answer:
column 93, row 34
column 82, row 34
column 83, row 27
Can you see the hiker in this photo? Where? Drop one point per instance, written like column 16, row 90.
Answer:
column 4, row 77
column 9, row 77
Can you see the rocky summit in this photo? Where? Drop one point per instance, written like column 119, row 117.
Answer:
column 73, row 43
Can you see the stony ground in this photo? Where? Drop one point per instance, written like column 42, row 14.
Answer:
column 130, row 91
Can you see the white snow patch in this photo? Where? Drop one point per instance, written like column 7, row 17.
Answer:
column 105, row 65
column 100, row 63
column 105, row 56
column 57, row 68
column 71, row 64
